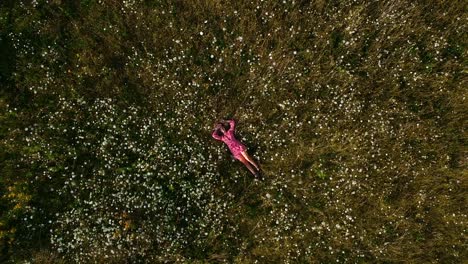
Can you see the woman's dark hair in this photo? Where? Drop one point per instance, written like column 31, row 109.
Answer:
column 218, row 129
column 219, row 132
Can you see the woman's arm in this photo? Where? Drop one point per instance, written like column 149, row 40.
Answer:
column 215, row 135
column 232, row 125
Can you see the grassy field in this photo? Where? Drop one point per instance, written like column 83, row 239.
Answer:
column 355, row 110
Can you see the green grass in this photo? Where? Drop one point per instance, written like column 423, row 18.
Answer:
column 355, row 111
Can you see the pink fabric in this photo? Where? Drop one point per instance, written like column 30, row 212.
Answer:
column 234, row 145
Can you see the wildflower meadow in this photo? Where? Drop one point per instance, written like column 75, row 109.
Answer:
column 355, row 111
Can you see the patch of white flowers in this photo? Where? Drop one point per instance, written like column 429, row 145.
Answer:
column 132, row 188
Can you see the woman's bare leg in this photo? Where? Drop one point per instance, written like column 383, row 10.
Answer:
column 247, row 157
column 246, row 163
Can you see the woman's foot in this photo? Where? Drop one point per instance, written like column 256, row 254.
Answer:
column 258, row 176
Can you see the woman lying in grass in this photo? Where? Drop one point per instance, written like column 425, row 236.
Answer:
column 238, row 150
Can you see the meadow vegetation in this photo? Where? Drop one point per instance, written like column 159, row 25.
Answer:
column 355, row 110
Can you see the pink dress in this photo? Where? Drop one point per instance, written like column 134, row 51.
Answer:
column 235, row 146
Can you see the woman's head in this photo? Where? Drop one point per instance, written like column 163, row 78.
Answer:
column 220, row 128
